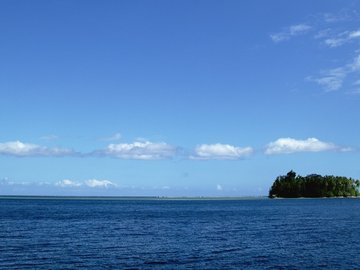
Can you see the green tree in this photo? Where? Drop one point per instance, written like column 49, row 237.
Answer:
column 313, row 185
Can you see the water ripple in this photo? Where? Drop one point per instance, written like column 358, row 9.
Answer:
column 254, row 234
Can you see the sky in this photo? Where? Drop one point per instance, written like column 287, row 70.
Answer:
column 176, row 98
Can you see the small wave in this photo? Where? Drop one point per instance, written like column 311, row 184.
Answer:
column 227, row 250
column 156, row 262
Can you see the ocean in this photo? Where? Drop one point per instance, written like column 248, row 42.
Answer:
column 124, row 233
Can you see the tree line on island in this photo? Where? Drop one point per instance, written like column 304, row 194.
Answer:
column 313, row 186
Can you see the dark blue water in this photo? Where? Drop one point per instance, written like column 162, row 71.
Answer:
column 159, row 234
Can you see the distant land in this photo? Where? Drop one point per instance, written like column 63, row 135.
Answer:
column 313, row 186
column 150, row 198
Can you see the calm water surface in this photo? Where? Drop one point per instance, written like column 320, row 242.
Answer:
column 186, row 234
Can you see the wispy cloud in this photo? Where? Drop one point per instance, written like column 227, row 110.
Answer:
column 290, row 145
column 355, row 92
column 355, row 64
column 329, row 36
column 289, row 32
column 299, row 29
column 114, row 137
column 332, row 31
column 51, row 137
column 9, row 183
column 333, row 79
column 331, row 18
column 6, row 182
column 20, row 149
column 220, row 151
column 339, row 39
column 343, row 15
column 334, row 42
column 92, row 187
column 338, row 33
column 139, row 150
column 336, row 29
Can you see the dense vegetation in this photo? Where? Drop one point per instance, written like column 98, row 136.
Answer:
column 314, row 185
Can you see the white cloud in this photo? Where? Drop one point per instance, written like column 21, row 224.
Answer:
column 20, row 149
column 220, row 151
column 68, row 183
column 289, row 32
column 139, row 150
column 354, row 34
column 94, row 183
column 219, row 187
column 290, row 145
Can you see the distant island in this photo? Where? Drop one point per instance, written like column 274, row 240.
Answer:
column 313, row 186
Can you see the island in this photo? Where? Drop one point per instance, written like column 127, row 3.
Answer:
column 313, row 186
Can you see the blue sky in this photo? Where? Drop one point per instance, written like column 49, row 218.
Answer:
column 176, row 98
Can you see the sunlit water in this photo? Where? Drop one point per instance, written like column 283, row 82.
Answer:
column 184, row 234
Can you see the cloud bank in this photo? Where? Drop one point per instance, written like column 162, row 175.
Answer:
column 220, row 151
column 159, row 151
